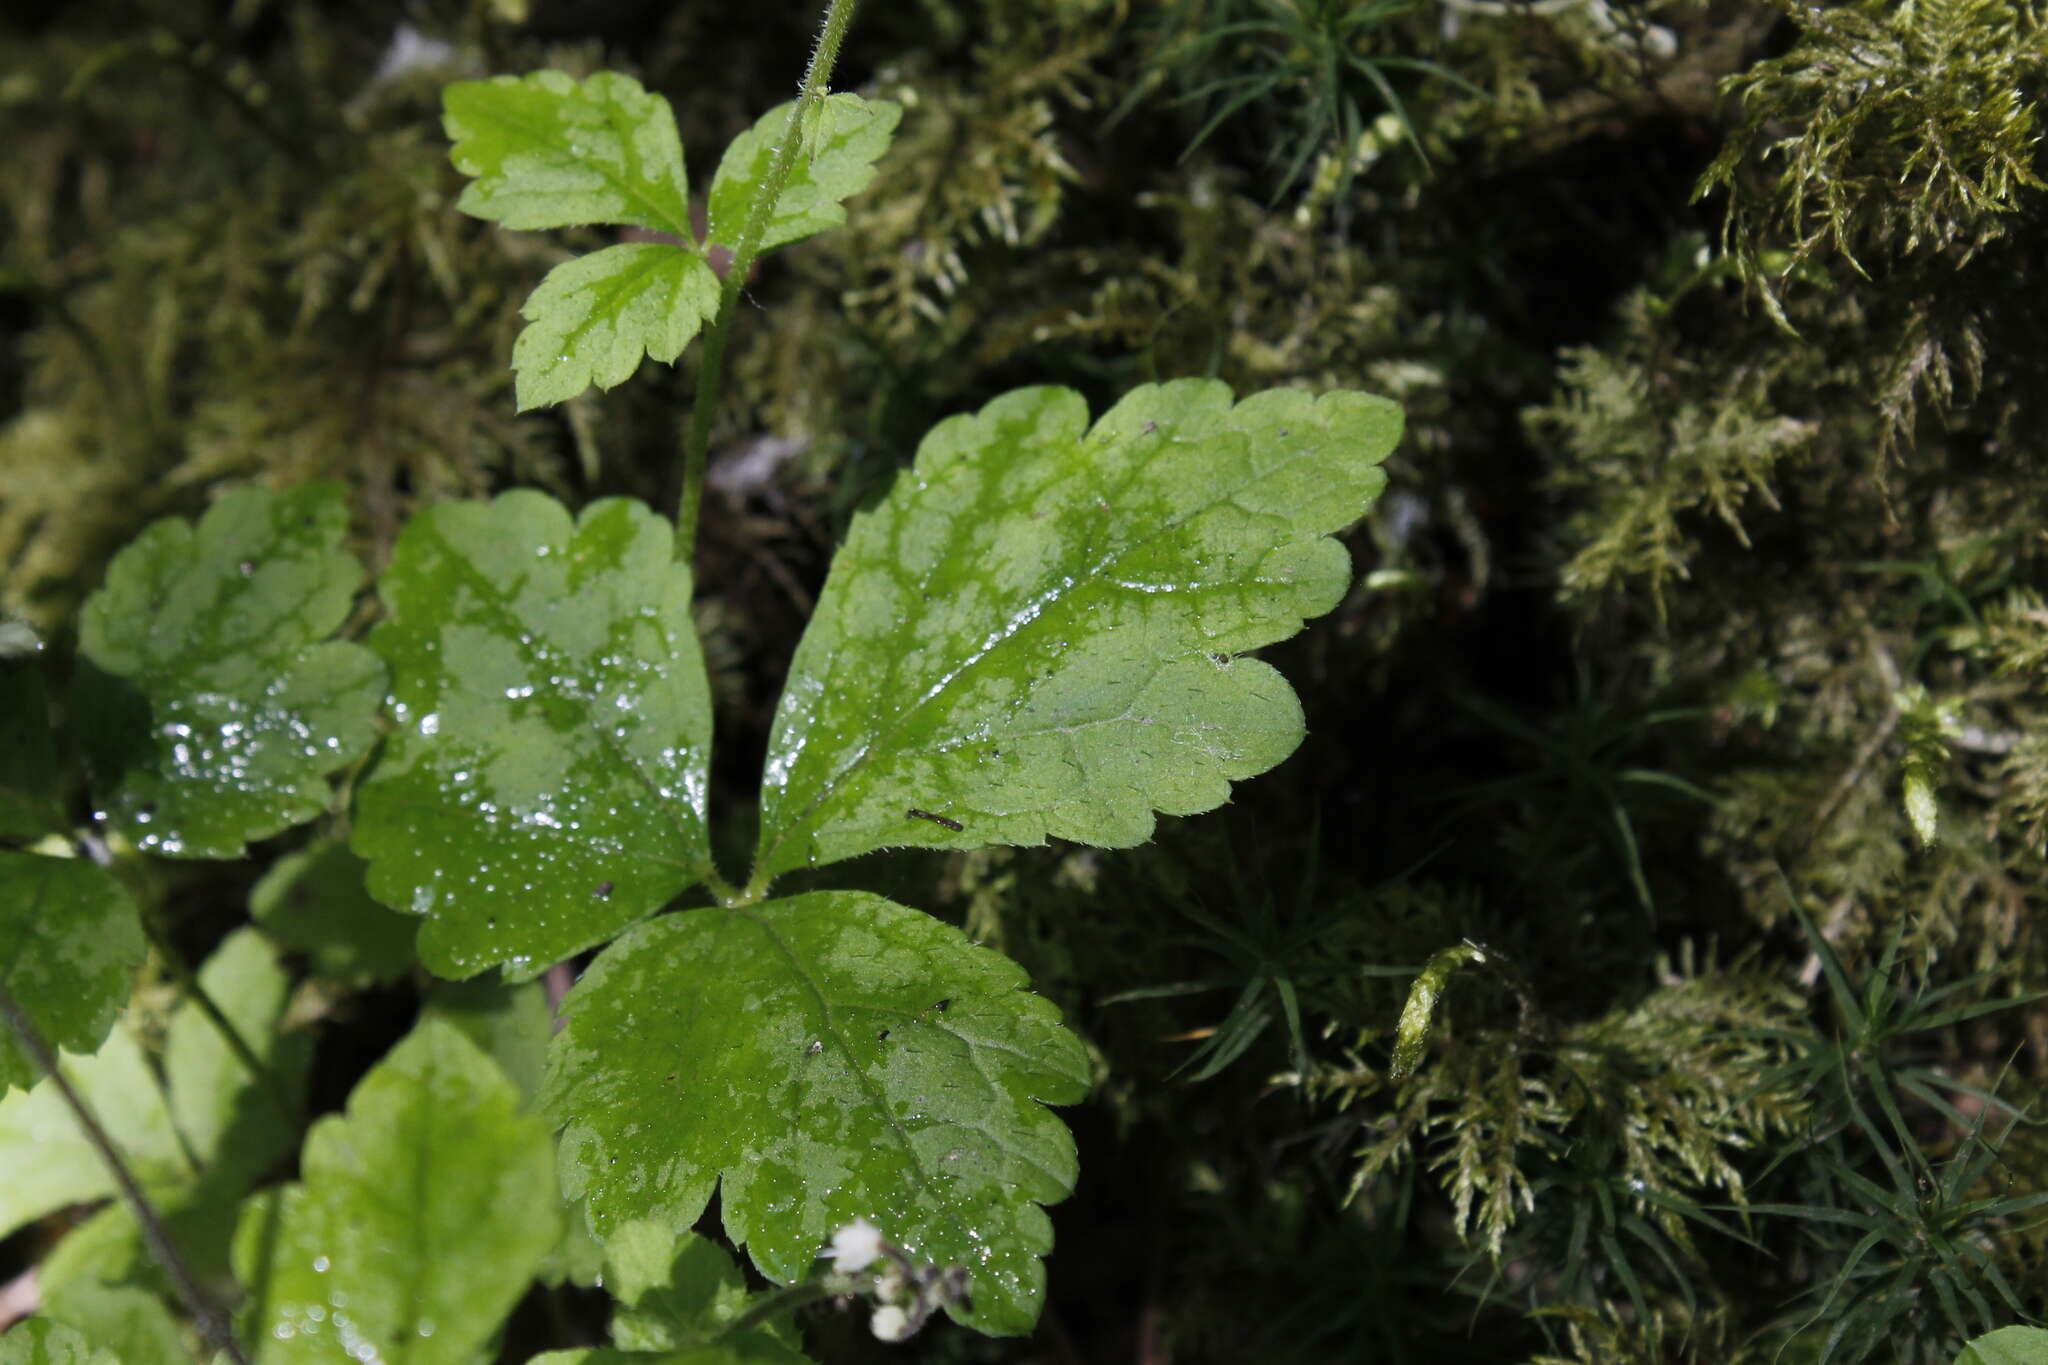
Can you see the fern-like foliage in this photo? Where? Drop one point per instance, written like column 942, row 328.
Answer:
column 2013, row 640
column 1660, row 441
column 1649, row 1094
column 1898, row 128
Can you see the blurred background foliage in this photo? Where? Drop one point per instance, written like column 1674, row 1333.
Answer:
column 1697, row 669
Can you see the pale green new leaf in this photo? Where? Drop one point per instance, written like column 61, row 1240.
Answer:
column 831, row 1056
column 418, row 1221
column 217, row 1113
column 547, row 151
column 848, row 135
column 48, row 1161
column 593, row 318
column 100, row 1278
column 40, row 1341
column 70, row 942
column 1038, row 631
column 233, row 1122
column 545, row 786
column 232, row 705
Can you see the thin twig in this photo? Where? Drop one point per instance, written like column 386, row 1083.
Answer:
column 211, row 1321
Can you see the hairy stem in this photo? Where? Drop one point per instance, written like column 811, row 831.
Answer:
column 817, row 80
column 212, row 1323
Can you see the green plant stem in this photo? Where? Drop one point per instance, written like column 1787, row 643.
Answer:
column 778, row 1302
column 188, row 983
column 212, row 1323
column 723, row 891
column 696, row 448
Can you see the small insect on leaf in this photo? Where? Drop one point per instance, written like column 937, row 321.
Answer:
column 601, row 890
column 915, row 814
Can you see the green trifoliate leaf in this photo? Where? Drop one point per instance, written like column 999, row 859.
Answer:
column 547, row 151
column 236, row 1123
column 545, row 786
column 844, row 139
column 831, row 1056
column 42, row 1342
column 676, row 1290
column 231, row 705
column 593, row 318
column 550, row 152
column 314, row 902
column 419, row 1219
column 1037, row 632
column 70, row 942
column 48, row 1161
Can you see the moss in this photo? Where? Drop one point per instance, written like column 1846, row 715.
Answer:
column 1695, row 557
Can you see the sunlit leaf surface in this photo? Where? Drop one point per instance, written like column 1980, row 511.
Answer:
column 846, row 137
column 196, row 1139
column 548, row 151
column 831, row 1056
column 593, row 318
column 1039, row 631
column 545, row 787
column 222, row 705
column 2007, row 1346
